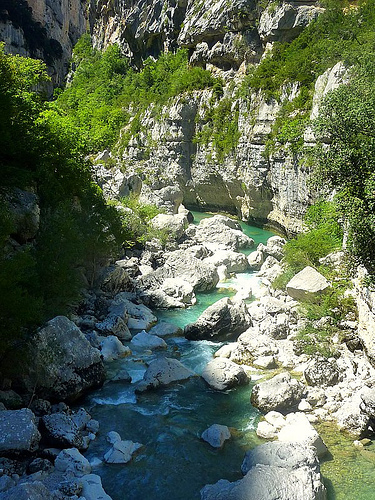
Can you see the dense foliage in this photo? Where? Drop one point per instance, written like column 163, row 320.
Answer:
column 347, row 122
column 106, row 92
column 39, row 153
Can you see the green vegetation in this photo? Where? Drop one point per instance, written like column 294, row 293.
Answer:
column 106, row 91
column 220, row 127
column 41, row 154
column 347, row 120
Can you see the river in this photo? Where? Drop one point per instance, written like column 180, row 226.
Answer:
column 174, row 462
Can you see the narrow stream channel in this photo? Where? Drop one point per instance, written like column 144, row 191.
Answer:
column 174, row 463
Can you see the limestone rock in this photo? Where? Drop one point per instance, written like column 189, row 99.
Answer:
column 216, row 435
column 222, row 320
column 112, row 348
column 280, row 393
column 322, row 372
column 18, row 431
column 173, row 225
column 222, row 374
column 60, row 430
column 114, row 325
column 164, row 371
column 308, row 284
column 121, row 451
column 234, row 262
column 165, row 329
column 28, row 491
column 70, row 460
column 255, row 260
column 92, row 488
column 144, row 340
column 286, row 471
column 139, row 316
column 63, row 363
column 222, row 233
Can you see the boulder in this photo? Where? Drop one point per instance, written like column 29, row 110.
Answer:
column 70, row 460
column 216, row 435
column 164, row 371
column 185, row 266
column 308, row 284
column 223, row 320
column 282, row 471
column 222, row 374
column 114, row 279
column 11, row 400
column 322, row 372
column 18, row 431
column 165, row 329
column 112, row 348
column 114, row 325
column 28, row 491
column 222, row 233
column 138, row 316
column 144, row 340
column 92, row 488
column 168, row 198
column 280, row 393
column 60, row 430
column 234, row 262
column 298, row 429
column 173, row 225
column 63, row 364
column 121, row 451
column 255, row 260
column 173, row 292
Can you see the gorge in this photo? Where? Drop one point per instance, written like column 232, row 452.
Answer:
column 158, row 331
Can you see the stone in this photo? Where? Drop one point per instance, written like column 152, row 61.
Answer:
column 25, row 213
column 280, row 393
column 266, row 430
column 92, row 488
column 222, row 233
column 216, row 435
column 18, row 431
column 112, row 348
column 121, row 451
column 81, row 418
column 222, row 374
column 165, row 329
column 223, row 320
column 114, row 279
column 322, row 372
column 234, row 262
column 114, row 325
column 282, row 471
column 173, row 225
column 164, row 371
column 265, row 362
column 70, row 460
column 144, row 340
column 60, row 430
column 297, row 429
column 255, row 260
column 139, row 316
column 40, row 464
column 173, row 292
column 308, row 284
column 28, row 491
column 73, row 366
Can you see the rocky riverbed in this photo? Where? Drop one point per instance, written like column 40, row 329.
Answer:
column 249, row 349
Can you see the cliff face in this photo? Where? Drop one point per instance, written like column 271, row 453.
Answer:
column 220, row 35
column 45, row 29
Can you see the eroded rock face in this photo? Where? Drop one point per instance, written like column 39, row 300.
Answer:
column 63, row 364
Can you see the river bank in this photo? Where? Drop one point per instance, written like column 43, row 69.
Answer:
column 169, row 422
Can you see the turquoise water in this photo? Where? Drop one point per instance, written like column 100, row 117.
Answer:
column 174, row 463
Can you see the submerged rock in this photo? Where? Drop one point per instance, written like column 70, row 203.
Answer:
column 164, row 371
column 222, row 320
column 222, row 374
column 216, row 435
